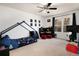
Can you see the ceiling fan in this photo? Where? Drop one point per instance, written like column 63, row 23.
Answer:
column 46, row 7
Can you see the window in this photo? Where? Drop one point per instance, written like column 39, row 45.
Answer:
column 58, row 25
column 66, row 22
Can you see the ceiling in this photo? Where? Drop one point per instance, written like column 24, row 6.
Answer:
column 32, row 7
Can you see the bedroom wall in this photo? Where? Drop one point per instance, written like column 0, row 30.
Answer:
column 10, row 16
column 62, row 34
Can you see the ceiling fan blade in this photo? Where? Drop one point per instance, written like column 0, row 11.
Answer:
column 40, row 7
column 49, row 4
column 52, row 8
column 41, row 11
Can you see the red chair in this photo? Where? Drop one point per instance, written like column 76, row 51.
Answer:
column 43, row 36
column 49, row 36
column 72, row 48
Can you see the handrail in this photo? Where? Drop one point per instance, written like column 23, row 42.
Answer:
column 10, row 28
column 29, row 26
column 15, row 25
column 23, row 27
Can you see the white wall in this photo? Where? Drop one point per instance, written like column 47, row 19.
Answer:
column 10, row 16
column 63, row 35
column 47, row 24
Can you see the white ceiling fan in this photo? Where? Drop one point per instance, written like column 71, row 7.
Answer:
column 46, row 7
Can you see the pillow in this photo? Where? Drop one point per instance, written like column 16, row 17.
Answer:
column 6, row 41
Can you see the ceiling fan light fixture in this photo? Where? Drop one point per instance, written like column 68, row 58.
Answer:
column 48, row 12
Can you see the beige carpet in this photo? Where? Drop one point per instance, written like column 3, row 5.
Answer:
column 50, row 47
